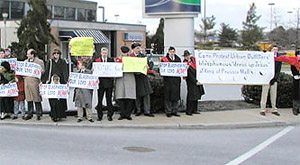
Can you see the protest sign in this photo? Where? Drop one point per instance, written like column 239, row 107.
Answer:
column 29, row 69
column 11, row 61
column 82, row 46
column 81, row 80
column 174, row 69
column 58, row 91
column 107, row 69
column 9, row 90
column 234, row 67
column 135, row 64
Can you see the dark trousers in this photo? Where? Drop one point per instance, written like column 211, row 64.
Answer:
column 146, row 101
column 7, row 104
column 108, row 96
column 191, row 107
column 126, row 107
column 171, row 106
column 38, row 108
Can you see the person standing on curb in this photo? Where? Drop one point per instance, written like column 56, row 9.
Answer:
column 171, row 86
column 272, row 87
column 194, row 89
column 32, row 92
column 105, row 86
column 296, row 88
column 58, row 67
column 143, row 86
column 125, row 89
column 19, row 102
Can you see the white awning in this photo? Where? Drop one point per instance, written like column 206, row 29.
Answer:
column 99, row 37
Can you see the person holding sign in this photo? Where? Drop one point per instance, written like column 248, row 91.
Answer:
column 32, row 93
column 57, row 69
column 143, row 87
column 194, row 89
column 125, row 90
column 105, row 86
column 296, row 87
column 6, row 103
column 171, row 86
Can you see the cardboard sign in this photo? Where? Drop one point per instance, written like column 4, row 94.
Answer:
column 135, row 64
column 234, row 67
column 81, row 80
column 29, row 69
column 174, row 69
column 82, row 46
column 107, row 69
column 58, row 91
column 11, row 61
column 9, row 90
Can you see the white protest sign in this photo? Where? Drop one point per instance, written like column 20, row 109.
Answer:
column 174, row 69
column 234, row 67
column 29, row 69
column 9, row 90
column 107, row 69
column 81, row 80
column 11, row 61
column 58, row 91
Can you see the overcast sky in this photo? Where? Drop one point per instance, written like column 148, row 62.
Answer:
column 232, row 12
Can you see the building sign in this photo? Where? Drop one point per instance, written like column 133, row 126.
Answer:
column 133, row 36
column 174, row 69
column 234, row 67
column 167, row 7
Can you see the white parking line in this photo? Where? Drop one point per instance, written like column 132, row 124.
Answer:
column 260, row 147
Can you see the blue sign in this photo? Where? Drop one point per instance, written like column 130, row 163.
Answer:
column 172, row 6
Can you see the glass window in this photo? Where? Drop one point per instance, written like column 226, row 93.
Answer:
column 4, row 7
column 17, row 9
column 91, row 15
column 81, row 15
column 59, row 12
column 70, row 13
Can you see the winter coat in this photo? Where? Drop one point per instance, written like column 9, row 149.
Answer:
column 83, row 97
column 59, row 68
column 296, row 88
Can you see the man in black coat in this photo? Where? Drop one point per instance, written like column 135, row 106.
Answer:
column 171, row 86
column 105, row 86
column 296, row 88
column 194, row 89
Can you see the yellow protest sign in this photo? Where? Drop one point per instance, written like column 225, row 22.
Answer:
column 135, row 64
column 82, row 46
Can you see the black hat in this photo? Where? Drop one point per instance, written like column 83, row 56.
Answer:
column 124, row 49
column 134, row 45
column 186, row 53
column 171, row 48
column 6, row 65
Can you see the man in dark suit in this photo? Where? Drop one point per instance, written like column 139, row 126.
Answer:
column 105, row 86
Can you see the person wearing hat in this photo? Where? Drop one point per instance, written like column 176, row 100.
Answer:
column 6, row 103
column 125, row 91
column 171, row 86
column 143, row 86
column 194, row 89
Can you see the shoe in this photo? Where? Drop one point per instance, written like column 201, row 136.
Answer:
column 276, row 113
column 54, row 120
column 295, row 111
column 79, row 120
column 27, row 117
column 109, row 118
column 121, row 118
column 189, row 114
column 14, row 118
column 99, row 119
column 38, row 118
column 129, row 118
column 23, row 117
column 138, row 114
column 175, row 114
column 196, row 112
column 149, row 114
column 169, row 115
column 91, row 120
column 262, row 113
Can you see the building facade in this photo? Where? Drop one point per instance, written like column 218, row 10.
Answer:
column 68, row 19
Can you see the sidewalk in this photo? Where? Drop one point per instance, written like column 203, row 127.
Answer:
column 247, row 118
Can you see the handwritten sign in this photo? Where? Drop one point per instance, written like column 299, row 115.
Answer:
column 29, row 69
column 58, row 91
column 81, row 80
column 11, row 61
column 234, row 67
column 135, row 64
column 107, row 69
column 82, row 46
column 174, row 69
column 9, row 90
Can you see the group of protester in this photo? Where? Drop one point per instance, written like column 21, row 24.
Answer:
column 132, row 91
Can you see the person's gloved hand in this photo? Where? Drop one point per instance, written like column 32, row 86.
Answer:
column 198, row 83
column 296, row 77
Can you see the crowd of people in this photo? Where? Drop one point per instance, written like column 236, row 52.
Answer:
column 132, row 91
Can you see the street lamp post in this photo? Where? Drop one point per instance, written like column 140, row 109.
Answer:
column 103, row 13
column 271, row 4
column 4, row 15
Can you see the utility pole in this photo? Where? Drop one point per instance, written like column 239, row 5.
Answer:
column 297, row 30
column 271, row 19
column 204, row 15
